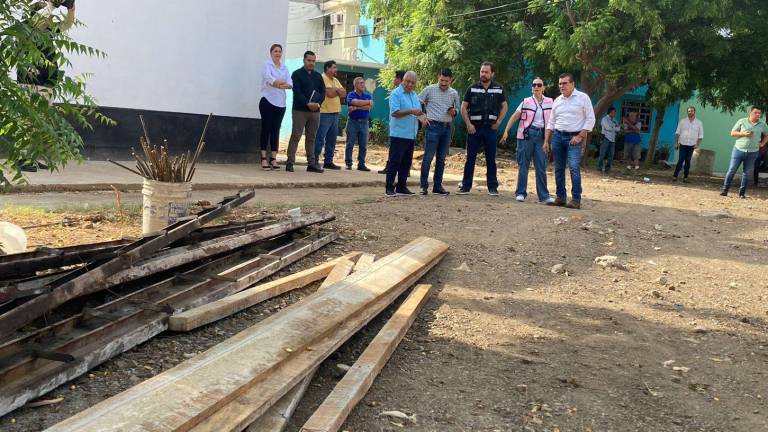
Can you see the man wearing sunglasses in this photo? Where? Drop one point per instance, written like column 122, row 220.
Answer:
column 566, row 137
column 533, row 113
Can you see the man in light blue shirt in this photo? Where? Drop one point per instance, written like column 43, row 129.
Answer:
column 404, row 111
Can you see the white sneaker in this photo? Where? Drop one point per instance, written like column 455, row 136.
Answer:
column 520, row 198
column 629, row 167
column 637, row 167
column 549, row 200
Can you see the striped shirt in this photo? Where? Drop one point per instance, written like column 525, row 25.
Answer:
column 438, row 102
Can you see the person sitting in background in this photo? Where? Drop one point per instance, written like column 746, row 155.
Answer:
column 632, row 149
column 359, row 105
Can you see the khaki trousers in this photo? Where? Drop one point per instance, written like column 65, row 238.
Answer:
column 304, row 122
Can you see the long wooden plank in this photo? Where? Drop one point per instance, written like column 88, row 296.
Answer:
column 86, row 283
column 182, row 397
column 277, row 417
column 252, row 405
column 335, row 409
column 214, row 311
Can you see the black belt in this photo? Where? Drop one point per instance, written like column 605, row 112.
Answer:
column 439, row 123
column 566, row 133
column 360, row 120
column 535, row 128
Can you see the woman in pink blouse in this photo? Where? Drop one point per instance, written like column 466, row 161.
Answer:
column 275, row 79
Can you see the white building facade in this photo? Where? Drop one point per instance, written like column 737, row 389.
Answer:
column 174, row 62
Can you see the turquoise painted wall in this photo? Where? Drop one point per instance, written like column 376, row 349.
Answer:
column 717, row 131
column 372, row 48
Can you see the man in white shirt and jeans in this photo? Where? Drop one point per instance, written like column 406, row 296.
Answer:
column 688, row 136
column 566, row 137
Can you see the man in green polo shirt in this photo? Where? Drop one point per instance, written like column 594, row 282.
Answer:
column 751, row 133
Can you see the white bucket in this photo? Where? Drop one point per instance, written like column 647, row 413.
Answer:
column 12, row 238
column 164, row 204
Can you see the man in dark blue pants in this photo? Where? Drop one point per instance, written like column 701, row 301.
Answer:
column 483, row 110
column 404, row 111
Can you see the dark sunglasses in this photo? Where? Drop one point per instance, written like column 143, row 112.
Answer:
column 537, row 85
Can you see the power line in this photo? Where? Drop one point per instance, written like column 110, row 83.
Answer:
column 527, row 8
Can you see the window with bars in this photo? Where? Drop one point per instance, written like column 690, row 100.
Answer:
column 347, row 79
column 642, row 110
column 378, row 26
column 327, row 30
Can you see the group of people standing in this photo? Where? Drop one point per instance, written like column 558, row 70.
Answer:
column 545, row 127
column 317, row 101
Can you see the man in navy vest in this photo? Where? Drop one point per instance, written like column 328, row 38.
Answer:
column 533, row 113
column 483, row 110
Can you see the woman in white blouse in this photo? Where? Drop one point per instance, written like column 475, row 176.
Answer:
column 275, row 80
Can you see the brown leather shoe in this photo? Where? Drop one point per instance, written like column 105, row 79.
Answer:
column 557, row 202
column 573, row 205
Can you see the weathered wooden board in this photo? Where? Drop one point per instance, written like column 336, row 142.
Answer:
column 352, row 388
column 188, row 394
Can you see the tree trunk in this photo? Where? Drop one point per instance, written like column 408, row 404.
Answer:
column 655, row 135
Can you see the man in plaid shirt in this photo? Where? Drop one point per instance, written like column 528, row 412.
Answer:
column 442, row 102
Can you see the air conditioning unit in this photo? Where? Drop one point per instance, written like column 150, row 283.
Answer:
column 355, row 30
column 337, row 18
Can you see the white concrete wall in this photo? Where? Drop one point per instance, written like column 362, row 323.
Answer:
column 191, row 56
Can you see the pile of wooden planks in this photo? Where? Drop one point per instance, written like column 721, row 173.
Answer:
column 65, row 311
column 255, row 379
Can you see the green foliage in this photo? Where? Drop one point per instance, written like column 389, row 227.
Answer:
column 612, row 46
column 30, row 128
column 379, row 132
column 424, row 36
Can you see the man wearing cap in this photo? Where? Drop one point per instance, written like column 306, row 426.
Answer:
column 566, row 137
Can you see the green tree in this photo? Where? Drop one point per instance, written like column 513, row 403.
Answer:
column 30, row 128
column 428, row 35
column 612, row 46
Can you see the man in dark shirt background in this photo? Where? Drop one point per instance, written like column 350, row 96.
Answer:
column 308, row 94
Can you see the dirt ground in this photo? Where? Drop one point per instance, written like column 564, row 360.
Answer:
column 672, row 336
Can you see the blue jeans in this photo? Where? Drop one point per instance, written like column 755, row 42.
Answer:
column 357, row 133
column 399, row 162
column 485, row 138
column 565, row 152
column 326, row 136
column 739, row 157
column 607, row 150
column 684, row 160
column 532, row 148
column 437, row 141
